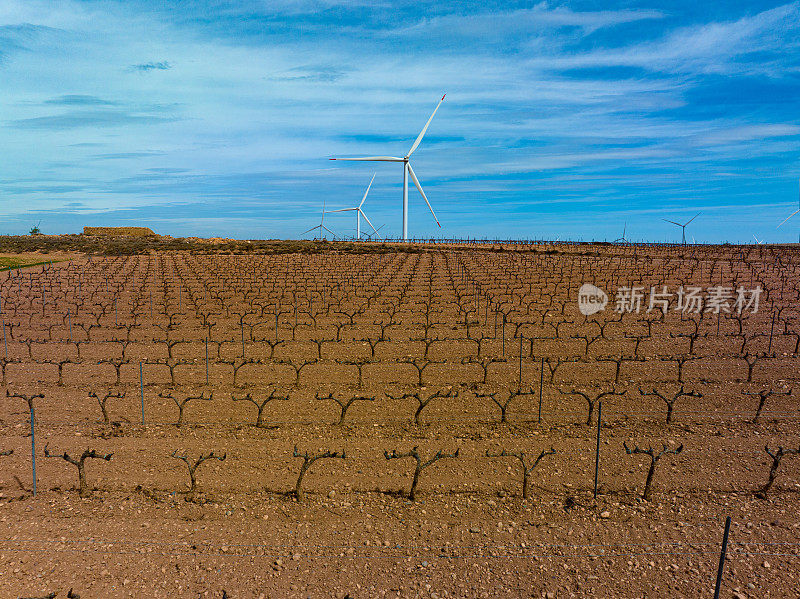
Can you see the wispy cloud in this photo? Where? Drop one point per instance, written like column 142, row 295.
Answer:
column 551, row 110
column 126, row 155
column 748, row 133
column 320, row 74
column 88, row 118
column 526, row 21
column 20, row 37
column 751, row 44
column 151, row 66
column 79, row 100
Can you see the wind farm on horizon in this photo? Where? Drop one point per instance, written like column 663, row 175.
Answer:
column 408, row 172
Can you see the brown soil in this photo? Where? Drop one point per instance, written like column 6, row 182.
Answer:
column 362, row 325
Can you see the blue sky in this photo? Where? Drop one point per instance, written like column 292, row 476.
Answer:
column 562, row 119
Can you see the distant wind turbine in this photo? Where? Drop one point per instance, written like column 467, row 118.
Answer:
column 683, row 226
column 758, row 241
column 407, row 172
column 622, row 239
column 793, row 213
column 359, row 211
column 321, row 226
column 375, row 232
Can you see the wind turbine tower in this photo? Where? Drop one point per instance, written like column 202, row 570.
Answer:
column 683, row 226
column 407, row 172
column 359, row 212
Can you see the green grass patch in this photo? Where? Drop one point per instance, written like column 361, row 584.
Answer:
column 9, row 263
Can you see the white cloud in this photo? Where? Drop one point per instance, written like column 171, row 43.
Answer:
column 748, row 133
column 242, row 115
column 528, row 21
column 707, row 48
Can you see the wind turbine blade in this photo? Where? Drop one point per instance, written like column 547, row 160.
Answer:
column 788, row 217
column 672, row 221
column 376, row 231
column 424, row 129
column 422, row 193
column 309, row 231
column 364, row 199
column 340, row 210
column 691, row 219
column 372, row 159
column 367, row 219
column 756, row 238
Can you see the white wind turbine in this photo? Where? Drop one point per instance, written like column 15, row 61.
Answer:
column 622, row 239
column 359, row 212
column 374, row 233
column 683, row 226
column 793, row 213
column 407, row 171
column 321, row 226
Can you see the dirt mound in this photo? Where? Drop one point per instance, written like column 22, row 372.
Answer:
column 119, row 231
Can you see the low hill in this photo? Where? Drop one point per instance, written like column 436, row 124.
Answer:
column 119, row 231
